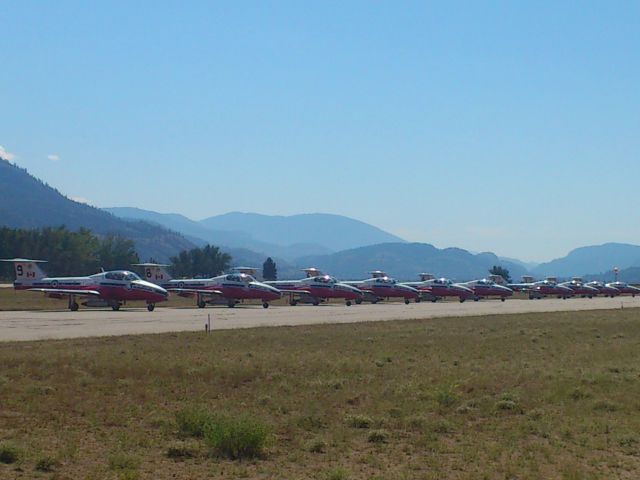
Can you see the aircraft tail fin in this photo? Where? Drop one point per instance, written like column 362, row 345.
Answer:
column 155, row 272
column 26, row 269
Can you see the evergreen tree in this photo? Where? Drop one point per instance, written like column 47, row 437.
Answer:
column 503, row 272
column 207, row 261
column 269, row 270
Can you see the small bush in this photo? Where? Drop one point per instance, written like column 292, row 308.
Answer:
column 310, row 422
column 192, row 421
column 318, row 446
column 9, row 453
column 377, row 436
column 180, row 451
column 446, row 397
column 578, row 394
column 337, row 474
column 236, row 438
column 123, row 461
column 46, row 464
column 509, row 405
column 359, row 421
column 605, row 406
column 442, row 426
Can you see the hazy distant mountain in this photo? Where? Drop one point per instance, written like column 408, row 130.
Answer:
column 629, row 275
column 405, row 260
column 334, row 232
column 26, row 202
column 591, row 260
column 527, row 265
column 276, row 236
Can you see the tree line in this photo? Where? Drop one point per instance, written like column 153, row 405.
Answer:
column 74, row 253
column 68, row 252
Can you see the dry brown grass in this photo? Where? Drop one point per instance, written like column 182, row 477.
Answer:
column 522, row 396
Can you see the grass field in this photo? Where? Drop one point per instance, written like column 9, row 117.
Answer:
column 522, row 396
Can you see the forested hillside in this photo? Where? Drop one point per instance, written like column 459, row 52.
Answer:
column 26, row 202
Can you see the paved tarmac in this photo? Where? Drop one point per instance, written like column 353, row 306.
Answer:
column 38, row 325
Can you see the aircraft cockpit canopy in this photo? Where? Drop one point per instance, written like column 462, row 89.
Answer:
column 240, row 277
column 386, row 280
column 442, row 281
column 324, row 279
column 123, row 275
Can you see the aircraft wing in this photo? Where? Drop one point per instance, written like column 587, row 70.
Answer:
column 66, row 291
column 194, row 290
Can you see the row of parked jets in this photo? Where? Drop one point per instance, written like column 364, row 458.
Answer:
column 115, row 288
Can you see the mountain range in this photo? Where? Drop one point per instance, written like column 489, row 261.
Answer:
column 591, row 260
column 405, row 260
column 345, row 247
column 287, row 237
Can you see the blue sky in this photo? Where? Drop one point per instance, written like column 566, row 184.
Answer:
column 499, row 126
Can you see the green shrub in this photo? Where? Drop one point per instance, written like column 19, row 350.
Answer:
column 605, row 406
column 318, row 446
column 9, row 453
column 236, row 437
column 446, row 396
column 179, row 451
column 359, row 421
column 337, row 474
column 377, row 436
column 506, row 405
column 46, row 464
column 123, row 461
column 192, row 421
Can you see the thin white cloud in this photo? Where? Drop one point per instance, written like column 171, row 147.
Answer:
column 53, row 157
column 6, row 155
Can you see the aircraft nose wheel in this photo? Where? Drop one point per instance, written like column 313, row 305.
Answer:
column 115, row 307
column 265, row 305
column 201, row 304
column 151, row 307
column 74, row 307
column 406, row 301
column 502, row 299
column 348, row 303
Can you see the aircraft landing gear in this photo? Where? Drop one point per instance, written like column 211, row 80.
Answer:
column 73, row 305
column 348, row 303
column 151, row 306
column 315, row 303
column 462, row 299
column 293, row 302
column 502, row 299
column 476, row 299
column 200, row 302
column 406, row 301
column 358, row 301
column 265, row 305
column 231, row 303
column 115, row 307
